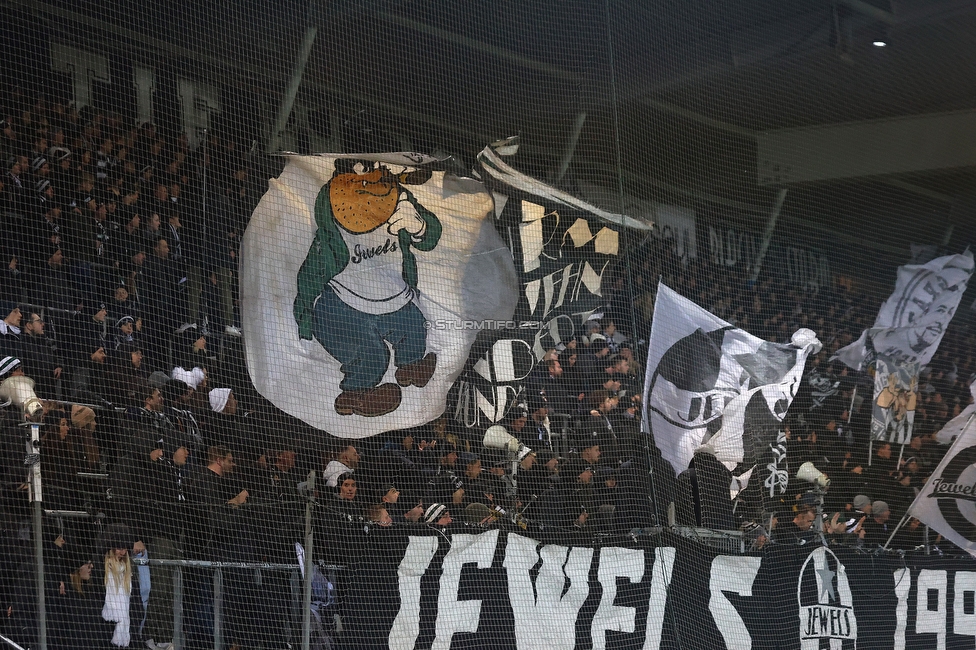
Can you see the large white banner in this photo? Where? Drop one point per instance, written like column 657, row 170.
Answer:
column 365, row 278
column 698, row 365
column 911, row 323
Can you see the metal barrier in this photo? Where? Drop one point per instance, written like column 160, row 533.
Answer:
column 35, row 493
column 219, row 593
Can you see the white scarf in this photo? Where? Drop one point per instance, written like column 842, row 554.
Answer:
column 6, row 328
column 116, row 607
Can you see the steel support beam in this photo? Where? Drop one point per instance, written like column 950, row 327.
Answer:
column 288, row 99
column 768, row 232
column 901, row 145
column 570, row 149
column 869, row 10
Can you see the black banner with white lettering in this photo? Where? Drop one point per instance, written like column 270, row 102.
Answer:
column 465, row 587
column 564, row 251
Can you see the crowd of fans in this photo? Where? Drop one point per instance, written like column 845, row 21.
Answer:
column 118, row 300
column 871, row 485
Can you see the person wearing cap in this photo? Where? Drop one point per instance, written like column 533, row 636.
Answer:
column 537, row 473
column 474, row 488
column 437, row 515
column 63, row 175
column 499, row 483
column 593, row 360
column 536, row 433
column 79, row 606
column 755, row 536
column 42, row 355
column 390, row 500
column 222, row 401
column 224, row 423
column 446, row 483
column 41, row 167
column 44, row 193
column 799, row 530
column 876, row 529
column 125, row 331
column 860, row 505
column 18, row 389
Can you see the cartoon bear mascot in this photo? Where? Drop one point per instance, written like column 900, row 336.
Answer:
column 357, row 289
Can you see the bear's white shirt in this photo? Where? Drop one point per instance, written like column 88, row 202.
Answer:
column 372, row 281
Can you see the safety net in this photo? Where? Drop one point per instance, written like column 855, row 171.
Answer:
column 581, row 324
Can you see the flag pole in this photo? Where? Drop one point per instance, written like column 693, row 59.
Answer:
column 897, row 528
column 850, row 409
column 919, row 495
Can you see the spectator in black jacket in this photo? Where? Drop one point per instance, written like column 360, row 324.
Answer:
column 152, row 494
column 42, row 357
column 162, row 298
column 51, row 285
column 88, row 355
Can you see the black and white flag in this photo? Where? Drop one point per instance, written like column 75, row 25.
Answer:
column 895, row 395
column 911, row 323
column 563, row 248
column 947, row 502
column 708, row 382
column 954, row 427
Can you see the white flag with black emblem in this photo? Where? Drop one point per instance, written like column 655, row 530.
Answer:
column 947, row 501
column 911, row 323
column 697, row 365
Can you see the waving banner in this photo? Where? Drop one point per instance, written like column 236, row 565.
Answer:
column 947, row 501
column 911, row 323
column 563, row 248
column 366, row 276
column 700, row 367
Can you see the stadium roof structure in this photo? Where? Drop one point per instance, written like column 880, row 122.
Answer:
column 856, row 107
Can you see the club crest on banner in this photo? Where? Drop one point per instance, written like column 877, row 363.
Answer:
column 826, row 604
column 954, row 490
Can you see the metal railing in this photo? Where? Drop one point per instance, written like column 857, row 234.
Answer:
column 35, row 492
